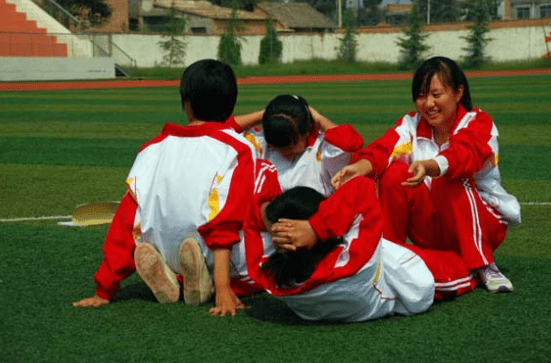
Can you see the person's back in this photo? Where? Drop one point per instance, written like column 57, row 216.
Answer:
column 188, row 183
column 183, row 184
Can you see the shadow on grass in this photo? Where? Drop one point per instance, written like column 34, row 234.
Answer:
column 267, row 308
column 135, row 291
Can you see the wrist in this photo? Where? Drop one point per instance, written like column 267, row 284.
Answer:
column 222, row 287
column 364, row 167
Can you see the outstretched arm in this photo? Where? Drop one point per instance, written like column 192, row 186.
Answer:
column 118, row 250
column 361, row 167
column 226, row 302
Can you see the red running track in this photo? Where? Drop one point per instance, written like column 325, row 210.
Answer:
column 74, row 85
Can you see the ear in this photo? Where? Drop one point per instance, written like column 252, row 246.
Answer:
column 265, row 219
column 459, row 93
column 188, row 111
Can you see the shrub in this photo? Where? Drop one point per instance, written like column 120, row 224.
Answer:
column 174, row 44
column 479, row 12
column 270, row 46
column 413, row 45
column 349, row 43
column 229, row 49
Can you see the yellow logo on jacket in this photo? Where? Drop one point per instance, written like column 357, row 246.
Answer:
column 401, row 150
column 214, row 199
column 252, row 139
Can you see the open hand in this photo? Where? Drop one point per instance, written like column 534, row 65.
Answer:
column 227, row 303
column 361, row 167
column 93, row 301
column 418, row 171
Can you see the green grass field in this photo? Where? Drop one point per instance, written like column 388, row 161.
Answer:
column 62, row 148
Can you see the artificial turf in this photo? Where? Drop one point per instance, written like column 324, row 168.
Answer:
column 62, row 148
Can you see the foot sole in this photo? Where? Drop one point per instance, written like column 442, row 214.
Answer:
column 198, row 284
column 156, row 274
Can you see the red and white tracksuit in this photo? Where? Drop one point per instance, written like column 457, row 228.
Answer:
column 466, row 209
column 190, row 181
column 325, row 154
column 365, row 278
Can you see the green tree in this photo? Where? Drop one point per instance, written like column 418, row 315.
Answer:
column 413, row 46
column 173, row 43
column 348, row 43
column 479, row 12
column 270, row 46
column 441, row 11
column 371, row 14
column 229, row 48
column 93, row 12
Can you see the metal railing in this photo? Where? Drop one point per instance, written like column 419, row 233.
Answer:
column 82, row 44
column 103, row 46
column 59, row 13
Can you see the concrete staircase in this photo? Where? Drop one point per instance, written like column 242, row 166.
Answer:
column 21, row 37
column 35, row 46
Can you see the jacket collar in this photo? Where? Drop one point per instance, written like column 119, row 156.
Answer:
column 425, row 130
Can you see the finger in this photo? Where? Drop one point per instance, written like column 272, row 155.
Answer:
column 335, row 178
column 285, row 221
column 287, row 247
column 338, row 180
column 411, row 182
column 213, row 311
column 82, row 303
column 280, row 241
column 241, row 307
column 280, row 227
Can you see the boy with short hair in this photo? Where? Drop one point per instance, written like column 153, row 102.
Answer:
column 186, row 200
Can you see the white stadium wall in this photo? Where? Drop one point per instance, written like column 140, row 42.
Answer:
column 45, row 69
column 507, row 44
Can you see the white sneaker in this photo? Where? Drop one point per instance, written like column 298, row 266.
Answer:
column 494, row 280
column 156, row 274
column 198, row 284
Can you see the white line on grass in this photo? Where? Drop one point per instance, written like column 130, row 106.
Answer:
column 69, row 217
column 33, row 218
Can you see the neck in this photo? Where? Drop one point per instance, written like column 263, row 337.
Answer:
column 440, row 137
column 443, row 132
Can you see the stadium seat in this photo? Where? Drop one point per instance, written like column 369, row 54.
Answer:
column 21, row 37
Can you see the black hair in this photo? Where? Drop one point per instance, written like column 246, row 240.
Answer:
column 285, row 120
column 210, row 87
column 450, row 73
column 294, row 267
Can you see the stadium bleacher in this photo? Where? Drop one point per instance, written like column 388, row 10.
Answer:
column 21, row 37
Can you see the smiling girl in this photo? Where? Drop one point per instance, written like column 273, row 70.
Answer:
column 439, row 182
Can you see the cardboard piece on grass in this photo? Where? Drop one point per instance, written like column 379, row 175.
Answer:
column 94, row 213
